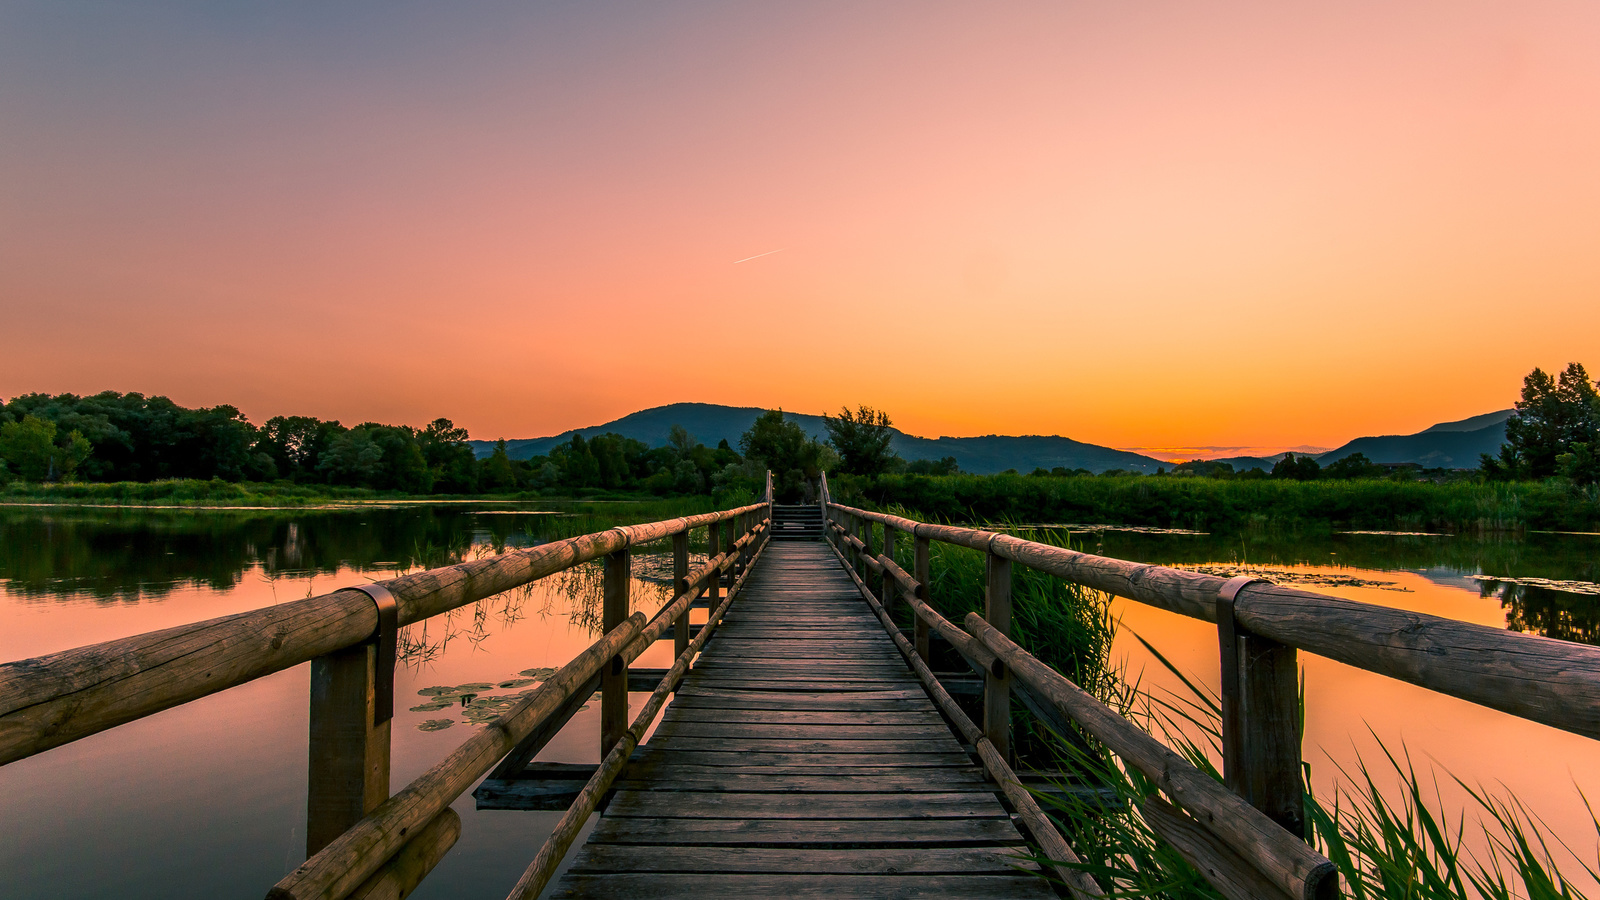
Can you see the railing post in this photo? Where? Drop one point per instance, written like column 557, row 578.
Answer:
column 891, row 588
column 997, row 688
column 349, row 753
column 614, row 678
column 680, row 585
column 921, row 573
column 713, row 583
column 1260, row 717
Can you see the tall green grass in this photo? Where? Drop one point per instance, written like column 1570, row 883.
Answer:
column 1210, row 504
column 1391, row 837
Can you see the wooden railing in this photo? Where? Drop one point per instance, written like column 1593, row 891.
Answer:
column 1246, row 835
column 362, row 842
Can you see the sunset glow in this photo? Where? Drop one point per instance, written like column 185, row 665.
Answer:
column 1162, row 225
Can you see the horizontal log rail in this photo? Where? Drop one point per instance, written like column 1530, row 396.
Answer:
column 1044, row 831
column 548, row 859
column 1233, row 841
column 363, row 848
column 52, row 700
column 1553, row 682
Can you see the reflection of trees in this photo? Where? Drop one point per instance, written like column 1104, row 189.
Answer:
column 1557, row 614
column 130, row 554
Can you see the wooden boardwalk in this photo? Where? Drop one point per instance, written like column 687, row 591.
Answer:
column 801, row 758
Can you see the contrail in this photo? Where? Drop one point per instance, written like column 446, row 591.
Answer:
column 759, row 255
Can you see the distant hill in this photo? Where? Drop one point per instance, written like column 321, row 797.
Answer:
column 1448, row 445
column 710, row 423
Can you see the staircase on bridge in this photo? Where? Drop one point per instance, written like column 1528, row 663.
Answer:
column 799, row 522
column 800, row 757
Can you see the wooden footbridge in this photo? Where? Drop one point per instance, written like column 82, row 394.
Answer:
column 802, row 744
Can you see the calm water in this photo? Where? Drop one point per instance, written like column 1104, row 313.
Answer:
column 210, row 797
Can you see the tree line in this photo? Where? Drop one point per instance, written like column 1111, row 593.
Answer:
column 113, row 436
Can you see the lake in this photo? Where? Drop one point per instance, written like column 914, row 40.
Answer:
column 209, row 798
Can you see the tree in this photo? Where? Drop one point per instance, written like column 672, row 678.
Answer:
column 449, row 457
column 862, row 439
column 946, row 466
column 31, row 451
column 1303, row 468
column 1356, row 465
column 1552, row 418
column 498, row 473
column 783, row 447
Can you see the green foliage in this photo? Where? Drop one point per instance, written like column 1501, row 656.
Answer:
column 862, row 440
column 1552, row 418
column 1356, row 465
column 1212, row 504
column 1204, row 468
column 1303, row 468
column 32, row 451
column 795, row 460
column 945, row 466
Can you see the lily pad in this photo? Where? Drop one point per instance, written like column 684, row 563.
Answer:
column 435, row 724
column 474, row 687
column 434, row 706
column 437, row 690
column 516, row 682
column 537, row 673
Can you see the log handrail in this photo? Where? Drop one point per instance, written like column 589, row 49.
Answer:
column 1553, row 682
column 365, row 846
column 61, row 697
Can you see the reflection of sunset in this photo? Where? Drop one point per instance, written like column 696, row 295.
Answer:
column 1242, row 224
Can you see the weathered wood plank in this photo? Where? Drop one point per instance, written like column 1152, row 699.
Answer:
column 816, row 832
column 701, row 886
column 598, row 858
column 731, row 805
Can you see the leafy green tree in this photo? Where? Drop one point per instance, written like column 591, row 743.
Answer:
column 498, row 472
column 794, row 459
column 31, row 450
column 1553, row 416
column 945, row 466
column 1302, row 468
column 1356, row 465
column 581, row 468
column 862, row 439
column 449, row 457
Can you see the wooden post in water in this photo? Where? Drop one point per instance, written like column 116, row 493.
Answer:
column 920, row 572
column 349, row 753
column 1260, row 717
column 997, row 688
column 614, row 679
column 680, row 584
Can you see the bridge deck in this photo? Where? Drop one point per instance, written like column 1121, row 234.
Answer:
column 801, row 758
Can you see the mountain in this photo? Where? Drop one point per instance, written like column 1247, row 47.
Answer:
column 1448, row 445
column 710, row 423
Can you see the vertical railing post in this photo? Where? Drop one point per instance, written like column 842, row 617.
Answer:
column 680, row 585
column 920, row 572
column 1260, row 717
column 891, row 588
column 352, row 712
column 713, row 583
column 614, row 678
column 349, row 753
column 866, row 547
column 997, row 688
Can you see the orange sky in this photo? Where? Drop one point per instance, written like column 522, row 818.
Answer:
column 1157, row 224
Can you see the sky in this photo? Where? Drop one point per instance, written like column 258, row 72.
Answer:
column 1159, row 224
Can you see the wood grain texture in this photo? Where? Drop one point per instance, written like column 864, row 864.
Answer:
column 802, row 756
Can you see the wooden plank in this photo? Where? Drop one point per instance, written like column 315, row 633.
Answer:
column 732, row 805
column 704, row 886
column 732, row 758
column 800, row 732
column 945, row 744
column 676, row 713
column 679, row 778
column 954, row 772
column 597, row 858
column 840, row 833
